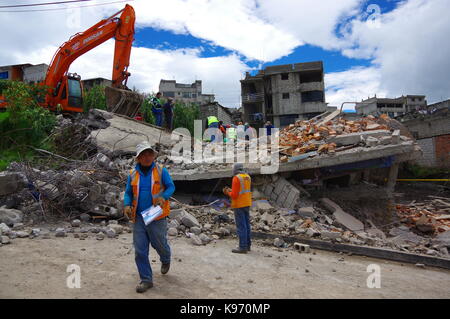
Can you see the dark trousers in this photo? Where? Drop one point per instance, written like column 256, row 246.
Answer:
column 242, row 218
column 168, row 121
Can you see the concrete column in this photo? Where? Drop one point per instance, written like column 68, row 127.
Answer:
column 392, row 178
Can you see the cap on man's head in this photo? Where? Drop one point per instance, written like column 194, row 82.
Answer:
column 238, row 168
column 144, row 146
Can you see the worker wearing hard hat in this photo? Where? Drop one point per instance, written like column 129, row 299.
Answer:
column 241, row 201
column 148, row 185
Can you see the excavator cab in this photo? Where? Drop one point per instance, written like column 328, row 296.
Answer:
column 74, row 91
column 68, row 94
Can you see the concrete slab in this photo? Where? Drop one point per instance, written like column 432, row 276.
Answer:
column 125, row 133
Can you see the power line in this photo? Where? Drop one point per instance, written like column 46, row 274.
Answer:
column 41, row 4
column 57, row 9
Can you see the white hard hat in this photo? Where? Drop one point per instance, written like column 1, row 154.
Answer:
column 144, row 146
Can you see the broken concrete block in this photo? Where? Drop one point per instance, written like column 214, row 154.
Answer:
column 385, row 140
column 371, row 141
column 425, row 224
column 311, row 232
column 23, row 234
column 396, row 137
column 278, row 242
column 195, row 240
column 110, row 233
column 174, row 224
column 306, row 212
column 355, row 138
column 76, row 223
column 267, row 218
column 189, row 220
column 4, row 229
column 104, row 161
column 118, row 229
column 10, row 216
column 60, row 232
column 11, row 183
column 341, row 217
column 172, row 231
column 443, row 239
column 4, row 240
column 205, row 239
column 302, row 248
column 330, row 235
column 262, row 205
column 195, row 230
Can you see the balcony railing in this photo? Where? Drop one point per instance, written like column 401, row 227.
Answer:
column 254, row 97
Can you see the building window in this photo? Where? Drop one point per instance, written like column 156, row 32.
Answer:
column 286, row 120
column 194, row 96
column 285, row 76
column 186, row 95
column 4, row 75
column 312, row 96
column 285, row 96
column 169, row 94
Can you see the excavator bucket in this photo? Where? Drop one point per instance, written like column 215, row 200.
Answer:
column 123, row 102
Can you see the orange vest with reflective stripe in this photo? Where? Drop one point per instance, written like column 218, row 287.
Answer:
column 245, row 194
column 157, row 188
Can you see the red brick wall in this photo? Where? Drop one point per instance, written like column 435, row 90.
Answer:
column 442, row 144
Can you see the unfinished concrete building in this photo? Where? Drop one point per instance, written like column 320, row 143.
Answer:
column 187, row 93
column 391, row 107
column 90, row 83
column 28, row 73
column 223, row 113
column 284, row 94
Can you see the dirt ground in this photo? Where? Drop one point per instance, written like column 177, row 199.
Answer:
column 37, row 268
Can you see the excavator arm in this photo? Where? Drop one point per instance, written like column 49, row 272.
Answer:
column 63, row 85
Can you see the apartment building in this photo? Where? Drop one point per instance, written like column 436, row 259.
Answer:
column 284, row 94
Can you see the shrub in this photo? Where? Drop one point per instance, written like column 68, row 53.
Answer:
column 95, row 99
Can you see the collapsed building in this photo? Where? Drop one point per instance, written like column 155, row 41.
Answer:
column 334, row 182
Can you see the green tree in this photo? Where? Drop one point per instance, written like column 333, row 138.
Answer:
column 95, row 98
column 25, row 123
column 184, row 115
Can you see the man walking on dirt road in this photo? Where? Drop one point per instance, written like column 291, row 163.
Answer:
column 148, row 185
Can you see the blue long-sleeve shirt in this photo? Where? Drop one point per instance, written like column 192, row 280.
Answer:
column 145, row 193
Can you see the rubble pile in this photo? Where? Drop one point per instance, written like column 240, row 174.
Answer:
column 428, row 217
column 313, row 138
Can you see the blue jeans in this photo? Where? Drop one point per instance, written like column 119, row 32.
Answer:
column 158, row 119
column 214, row 125
column 155, row 234
column 242, row 218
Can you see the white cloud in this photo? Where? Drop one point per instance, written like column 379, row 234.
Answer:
column 410, row 47
column 310, row 21
column 353, row 85
column 220, row 75
column 231, row 24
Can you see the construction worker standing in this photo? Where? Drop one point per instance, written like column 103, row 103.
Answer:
column 157, row 109
column 148, row 185
column 213, row 122
column 241, row 201
column 231, row 133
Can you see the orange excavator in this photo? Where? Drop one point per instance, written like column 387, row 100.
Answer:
column 66, row 90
